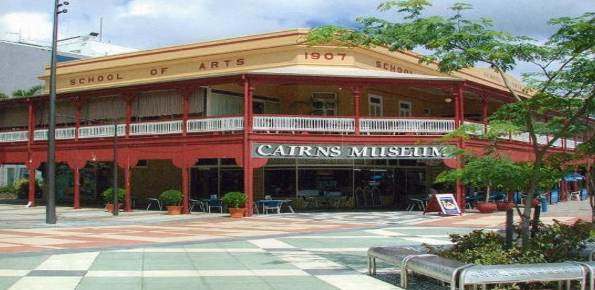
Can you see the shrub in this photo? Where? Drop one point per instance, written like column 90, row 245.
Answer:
column 171, row 197
column 551, row 244
column 21, row 188
column 234, row 199
column 8, row 189
column 108, row 195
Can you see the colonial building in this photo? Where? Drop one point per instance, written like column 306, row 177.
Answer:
column 263, row 114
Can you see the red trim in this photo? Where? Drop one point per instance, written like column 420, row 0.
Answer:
column 247, row 154
column 32, row 186
column 462, row 104
column 356, row 102
column 77, row 188
column 127, row 181
column 302, row 116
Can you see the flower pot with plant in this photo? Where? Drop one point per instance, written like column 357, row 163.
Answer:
column 108, row 197
column 172, row 199
column 235, row 202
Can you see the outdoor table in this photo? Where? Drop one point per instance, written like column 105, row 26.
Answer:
column 264, row 202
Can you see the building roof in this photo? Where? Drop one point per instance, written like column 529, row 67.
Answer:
column 347, row 72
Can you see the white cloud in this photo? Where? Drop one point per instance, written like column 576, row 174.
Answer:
column 32, row 26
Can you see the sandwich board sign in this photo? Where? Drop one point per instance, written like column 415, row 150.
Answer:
column 444, row 203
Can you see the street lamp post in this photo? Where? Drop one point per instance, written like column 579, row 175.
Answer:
column 115, row 212
column 50, row 210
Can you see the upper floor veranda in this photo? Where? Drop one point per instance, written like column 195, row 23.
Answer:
column 269, row 84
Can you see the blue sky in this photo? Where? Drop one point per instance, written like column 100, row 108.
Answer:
column 146, row 24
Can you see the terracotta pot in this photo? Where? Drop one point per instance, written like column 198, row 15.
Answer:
column 486, row 207
column 109, row 207
column 504, row 205
column 236, row 212
column 174, row 209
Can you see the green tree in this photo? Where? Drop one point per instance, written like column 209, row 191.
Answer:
column 33, row 91
column 3, row 96
column 562, row 90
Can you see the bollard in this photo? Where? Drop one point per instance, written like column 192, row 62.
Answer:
column 509, row 227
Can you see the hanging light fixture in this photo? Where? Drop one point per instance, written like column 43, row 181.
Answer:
column 448, row 100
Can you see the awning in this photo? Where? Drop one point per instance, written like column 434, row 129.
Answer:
column 573, row 177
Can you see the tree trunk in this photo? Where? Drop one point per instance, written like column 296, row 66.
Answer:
column 488, row 194
column 526, row 217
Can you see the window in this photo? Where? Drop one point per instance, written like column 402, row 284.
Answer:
column 404, row 109
column 375, row 105
column 142, row 163
column 324, row 104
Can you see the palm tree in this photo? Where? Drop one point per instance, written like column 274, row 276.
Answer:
column 33, row 91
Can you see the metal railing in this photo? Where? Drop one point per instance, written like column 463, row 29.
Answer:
column 303, row 124
column 14, row 136
column 438, row 126
column 154, row 128
column 275, row 124
column 216, row 124
column 101, row 131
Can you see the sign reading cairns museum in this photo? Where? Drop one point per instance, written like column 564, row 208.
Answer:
column 316, row 151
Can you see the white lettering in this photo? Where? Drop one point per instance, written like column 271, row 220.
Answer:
column 355, row 152
column 262, row 153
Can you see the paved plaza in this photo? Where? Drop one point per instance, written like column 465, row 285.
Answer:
column 90, row 249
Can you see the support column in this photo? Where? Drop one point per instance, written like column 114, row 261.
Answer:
column 128, row 98
column 461, row 105
column 31, row 123
column 78, row 104
column 356, row 103
column 185, row 191
column 457, row 112
column 31, row 187
column 77, row 188
column 484, row 113
column 185, row 92
column 247, row 156
column 127, row 181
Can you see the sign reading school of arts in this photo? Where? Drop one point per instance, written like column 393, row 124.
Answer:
column 316, row 151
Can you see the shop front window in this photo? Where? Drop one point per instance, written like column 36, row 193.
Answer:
column 371, row 185
column 279, row 182
column 325, row 182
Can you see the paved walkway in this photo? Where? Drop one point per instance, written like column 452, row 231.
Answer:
column 89, row 249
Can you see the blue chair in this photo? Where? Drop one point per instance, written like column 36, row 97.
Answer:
column 272, row 205
column 214, row 203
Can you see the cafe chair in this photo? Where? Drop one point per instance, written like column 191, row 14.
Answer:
column 214, row 203
column 575, row 195
column 272, row 205
column 415, row 203
column 193, row 203
column 255, row 207
column 154, row 201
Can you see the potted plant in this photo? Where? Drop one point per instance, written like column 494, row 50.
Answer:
column 235, row 202
column 172, row 199
column 490, row 172
column 108, row 197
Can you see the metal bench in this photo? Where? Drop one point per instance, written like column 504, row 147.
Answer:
column 588, row 253
column 590, row 266
column 543, row 272
column 416, row 260
column 395, row 255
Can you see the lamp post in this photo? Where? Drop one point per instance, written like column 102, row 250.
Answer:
column 115, row 212
column 50, row 209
